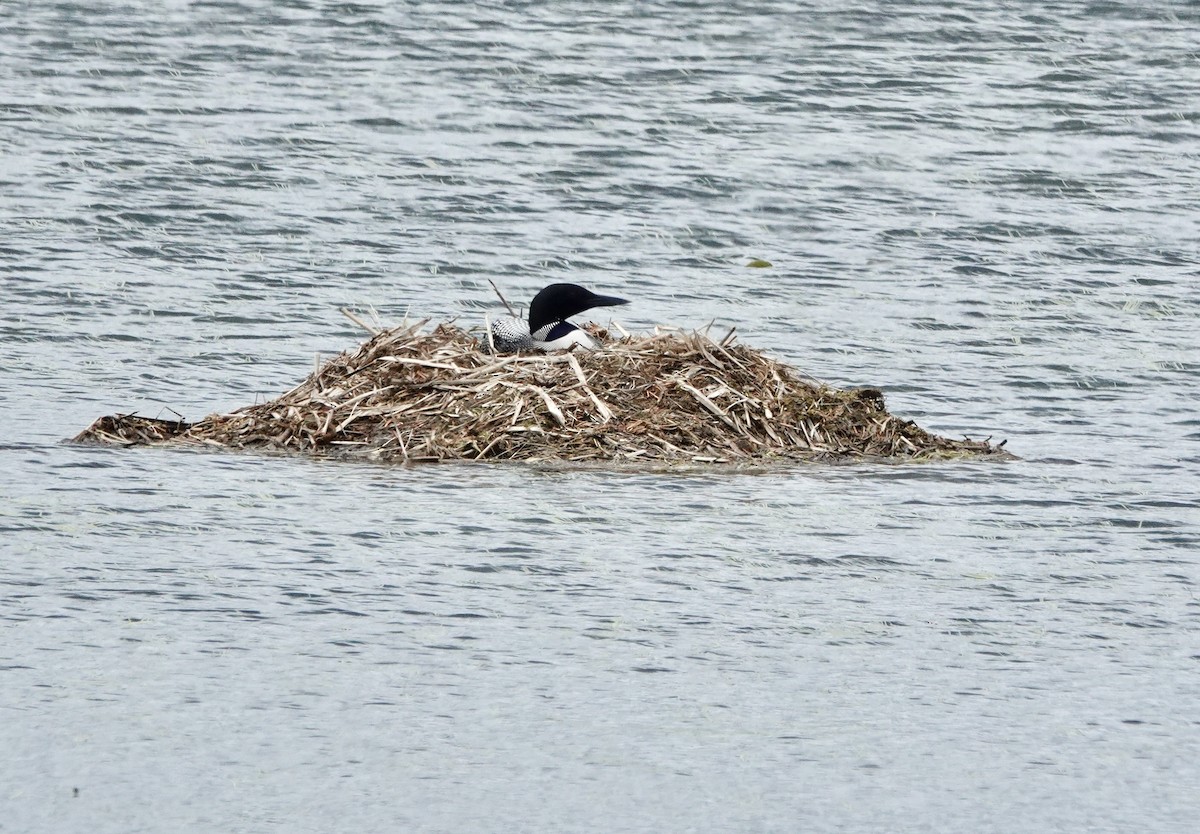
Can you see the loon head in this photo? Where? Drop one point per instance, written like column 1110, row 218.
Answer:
column 558, row 302
column 548, row 328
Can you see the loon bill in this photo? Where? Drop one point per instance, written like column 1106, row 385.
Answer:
column 548, row 328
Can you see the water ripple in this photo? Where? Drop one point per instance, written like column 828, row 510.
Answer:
column 986, row 211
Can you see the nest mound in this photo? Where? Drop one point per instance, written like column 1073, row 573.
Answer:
column 407, row 395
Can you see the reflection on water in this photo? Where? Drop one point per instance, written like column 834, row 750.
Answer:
column 987, row 213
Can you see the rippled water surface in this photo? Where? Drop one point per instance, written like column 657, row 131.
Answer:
column 989, row 210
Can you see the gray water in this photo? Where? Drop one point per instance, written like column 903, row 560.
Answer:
column 988, row 210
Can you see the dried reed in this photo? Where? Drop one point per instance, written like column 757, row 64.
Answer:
column 406, row 395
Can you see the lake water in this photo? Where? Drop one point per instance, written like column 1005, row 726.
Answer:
column 991, row 211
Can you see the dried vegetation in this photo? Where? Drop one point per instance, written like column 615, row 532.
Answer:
column 407, row 395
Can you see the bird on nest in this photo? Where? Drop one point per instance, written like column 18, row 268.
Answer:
column 548, row 328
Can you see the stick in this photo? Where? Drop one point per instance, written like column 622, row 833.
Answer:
column 605, row 413
column 706, row 402
column 503, row 300
column 374, row 331
column 404, row 360
column 551, row 405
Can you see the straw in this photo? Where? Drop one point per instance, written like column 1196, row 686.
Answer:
column 407, row 395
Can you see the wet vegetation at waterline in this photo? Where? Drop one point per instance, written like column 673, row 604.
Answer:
column 409, row 395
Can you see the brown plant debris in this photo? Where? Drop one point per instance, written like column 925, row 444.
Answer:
column 407, row 395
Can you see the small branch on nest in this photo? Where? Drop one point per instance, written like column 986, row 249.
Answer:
column 503, row 300
column 605, row 412
column 551, row 405
column 374, row 331
column 404, row 360
column 706, row 402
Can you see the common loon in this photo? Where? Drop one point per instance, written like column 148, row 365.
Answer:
column 548, row 328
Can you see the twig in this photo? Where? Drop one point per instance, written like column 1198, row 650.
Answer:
column 503, row 300
column 404, row 360
column 706, row 402
column 605, row 413
column 551, row 405
column 374, row 331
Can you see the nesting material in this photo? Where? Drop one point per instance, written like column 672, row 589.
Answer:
column 408, row 395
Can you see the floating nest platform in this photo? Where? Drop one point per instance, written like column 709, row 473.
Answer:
column 411, row 395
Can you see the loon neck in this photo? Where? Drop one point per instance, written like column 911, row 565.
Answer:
column 562, row 335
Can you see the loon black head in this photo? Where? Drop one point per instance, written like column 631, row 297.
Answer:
column 559, row 302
